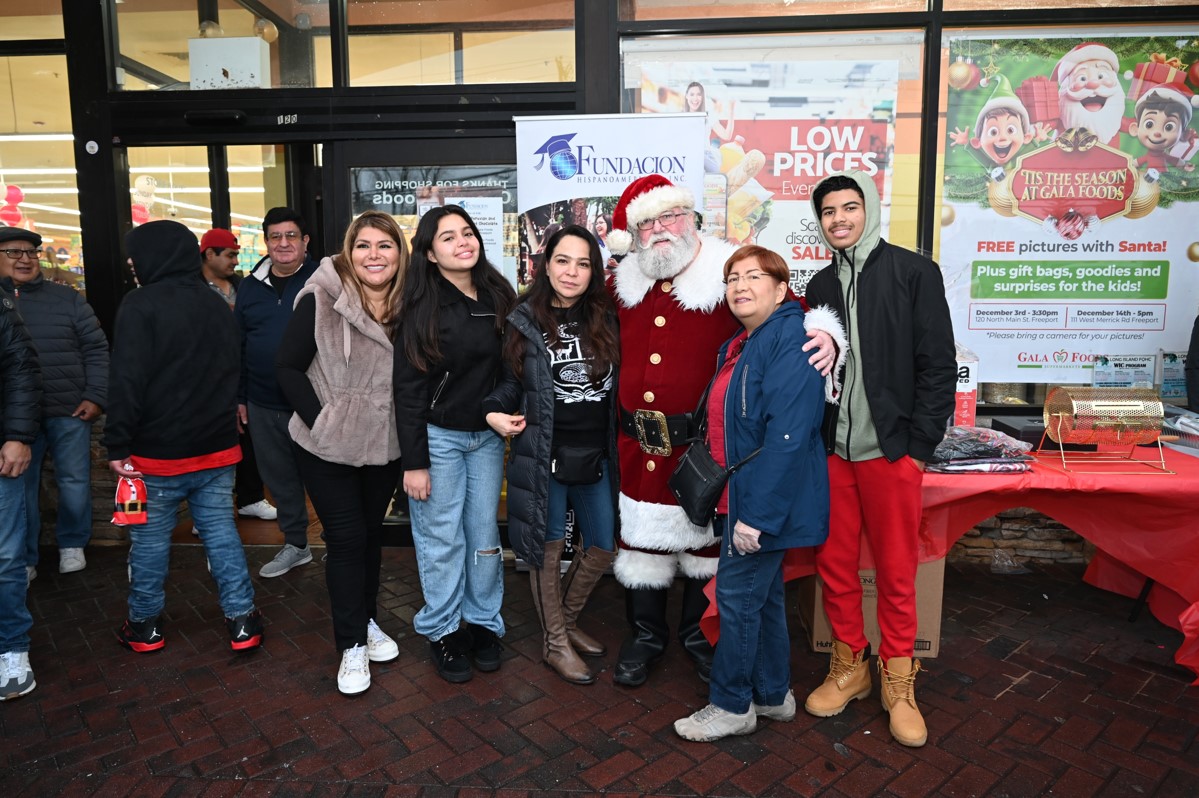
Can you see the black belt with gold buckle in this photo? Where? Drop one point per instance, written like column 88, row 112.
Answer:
column 656, row 432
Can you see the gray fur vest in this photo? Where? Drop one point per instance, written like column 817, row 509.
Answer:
column 351, row 375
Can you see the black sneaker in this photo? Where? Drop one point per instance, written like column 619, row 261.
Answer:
column 449, row 657
column 141, row 636
column 485, row 648
column 245, row 631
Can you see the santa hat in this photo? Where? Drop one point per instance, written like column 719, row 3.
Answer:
column 1003, row 97
column 1174, row 93
column 1087, row 51
column 645, row 198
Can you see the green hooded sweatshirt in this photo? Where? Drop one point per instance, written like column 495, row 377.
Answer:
column 849, row 263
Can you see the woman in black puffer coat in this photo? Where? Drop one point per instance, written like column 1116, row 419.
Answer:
column 561, row 354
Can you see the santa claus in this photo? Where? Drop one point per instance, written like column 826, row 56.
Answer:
column 673, row 318
column 1089, row 92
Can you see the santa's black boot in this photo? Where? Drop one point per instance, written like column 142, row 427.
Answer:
column 693, row 640
column 646, row 612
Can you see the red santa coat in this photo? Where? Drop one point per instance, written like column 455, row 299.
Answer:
column 670, row 331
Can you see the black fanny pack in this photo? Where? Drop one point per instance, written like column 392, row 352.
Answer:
column 577, row 465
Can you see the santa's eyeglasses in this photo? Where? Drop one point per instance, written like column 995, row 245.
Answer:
column 666, row 220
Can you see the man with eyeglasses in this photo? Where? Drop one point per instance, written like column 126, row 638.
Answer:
column 20, row 409
column 73, row 353
column 263, row 308
column 670, row 299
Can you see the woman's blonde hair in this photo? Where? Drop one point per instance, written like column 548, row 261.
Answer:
column 343, row 263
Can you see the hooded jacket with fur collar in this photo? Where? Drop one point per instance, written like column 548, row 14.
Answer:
column 348, row 372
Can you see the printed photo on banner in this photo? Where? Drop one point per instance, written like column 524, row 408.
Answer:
column 772, row 131
column 1069, row 200
column 487, row 193
column 573, row 169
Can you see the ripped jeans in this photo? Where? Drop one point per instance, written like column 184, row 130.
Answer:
column 456, row 534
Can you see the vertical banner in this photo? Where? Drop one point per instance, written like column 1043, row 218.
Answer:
column 1069, row 223
column 772, row 131
column 572, row 170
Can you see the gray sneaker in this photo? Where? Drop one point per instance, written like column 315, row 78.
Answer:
column 16, row 677
column 713, row 723
column 784, row 711
column 288, row 557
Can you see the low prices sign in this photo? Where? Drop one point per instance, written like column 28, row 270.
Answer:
column 1071, row 185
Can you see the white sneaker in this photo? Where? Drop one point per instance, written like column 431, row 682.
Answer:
column 195, row 532
column 712, row 723
column 30, row 575
column 379, row 647
column 16, row 677
column 354, row 675
column 259, row 509
column 784, row 711
column 71, row 560
column 288, row 557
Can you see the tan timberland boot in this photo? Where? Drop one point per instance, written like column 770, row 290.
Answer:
column 899, row 699
column 848, row 678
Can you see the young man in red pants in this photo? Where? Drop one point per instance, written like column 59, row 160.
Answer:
column 899, row 382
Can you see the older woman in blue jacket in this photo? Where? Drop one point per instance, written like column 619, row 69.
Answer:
column 764, row 399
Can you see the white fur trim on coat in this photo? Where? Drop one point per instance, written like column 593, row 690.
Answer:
column 698, row 567
column 700, row 286
column 825, row 318
column 660, row 527
column 640, row 569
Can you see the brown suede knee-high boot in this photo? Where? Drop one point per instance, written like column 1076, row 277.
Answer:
column 584, row 572
column 547, row 598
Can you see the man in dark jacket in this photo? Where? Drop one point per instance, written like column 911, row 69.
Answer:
column 218, row 262
column 20, row 409
column 73, row 354
column 173, row 422
column 899, row 382
column 263, row 308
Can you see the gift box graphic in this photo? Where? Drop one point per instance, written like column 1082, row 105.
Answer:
column 1157, row 71
column 1039, row 96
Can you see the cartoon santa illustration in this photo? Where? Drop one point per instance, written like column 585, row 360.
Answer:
column 1089, row 91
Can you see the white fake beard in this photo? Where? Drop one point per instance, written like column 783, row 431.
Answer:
column 1104, row 123
column 663, row 263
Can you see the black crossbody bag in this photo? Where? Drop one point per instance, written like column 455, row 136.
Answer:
column 698, row 480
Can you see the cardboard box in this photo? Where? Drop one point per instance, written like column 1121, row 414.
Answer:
column 966, row 400
column 930, row 584
column 233, row 62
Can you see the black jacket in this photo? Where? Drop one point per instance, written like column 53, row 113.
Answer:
column 20, row 378
column 907, row 352
column 528, row 469
column 71, row 348
column 262, row 317
column 175, row 360
column 450, row 394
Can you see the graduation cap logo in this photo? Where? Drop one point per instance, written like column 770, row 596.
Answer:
column 563, row 163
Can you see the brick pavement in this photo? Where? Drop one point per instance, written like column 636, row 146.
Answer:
column 1043, row 688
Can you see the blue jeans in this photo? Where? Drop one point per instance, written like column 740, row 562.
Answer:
column 456, row 534
column 14, row 615
column 753, row 655
column 69, row 442
column 595, row 514
column 209, row 493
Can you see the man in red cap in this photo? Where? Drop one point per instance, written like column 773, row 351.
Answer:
column 670, row 297
column 218, row 252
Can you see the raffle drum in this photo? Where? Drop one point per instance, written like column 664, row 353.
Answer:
column 1104, row 417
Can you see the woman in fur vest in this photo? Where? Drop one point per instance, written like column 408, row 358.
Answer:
column 561, row 355
column 335, row 367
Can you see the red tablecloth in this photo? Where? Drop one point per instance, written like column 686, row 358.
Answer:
column 1144, row 525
